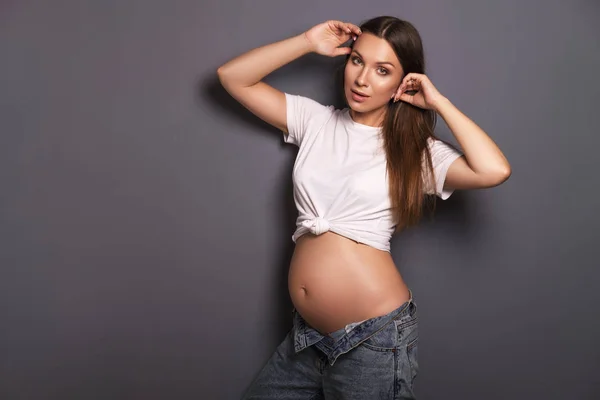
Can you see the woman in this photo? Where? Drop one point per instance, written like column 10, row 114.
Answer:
column 361, row 173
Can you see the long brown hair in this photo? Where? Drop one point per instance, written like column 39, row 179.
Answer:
column 406, row 128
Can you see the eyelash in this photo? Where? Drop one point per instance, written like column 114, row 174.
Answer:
column 354, row 59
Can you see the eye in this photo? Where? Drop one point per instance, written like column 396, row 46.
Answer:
column 383, row 71
column 355, row 60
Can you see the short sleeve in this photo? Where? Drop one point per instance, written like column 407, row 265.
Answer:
column 300, row 110
column 442, row 156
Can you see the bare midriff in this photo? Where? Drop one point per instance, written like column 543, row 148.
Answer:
column 334, row 281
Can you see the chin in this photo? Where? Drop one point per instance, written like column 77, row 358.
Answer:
column 353, row 104
column 355, row 107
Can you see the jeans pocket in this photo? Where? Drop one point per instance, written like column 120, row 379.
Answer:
column 386, row 339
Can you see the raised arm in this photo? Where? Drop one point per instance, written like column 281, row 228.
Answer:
column 242, row 76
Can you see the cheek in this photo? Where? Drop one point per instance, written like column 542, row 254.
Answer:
column 385, row 87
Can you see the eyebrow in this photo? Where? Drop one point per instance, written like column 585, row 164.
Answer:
column 379, row 62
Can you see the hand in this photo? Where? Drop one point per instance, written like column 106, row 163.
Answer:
column 425, row 94
column 327, row 36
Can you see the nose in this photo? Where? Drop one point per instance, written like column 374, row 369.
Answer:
column 361, row 79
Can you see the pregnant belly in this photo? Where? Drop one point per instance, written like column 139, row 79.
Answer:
column 334, row 281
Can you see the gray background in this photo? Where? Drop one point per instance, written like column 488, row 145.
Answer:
column 146, row 218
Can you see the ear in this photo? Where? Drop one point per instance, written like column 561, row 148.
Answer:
column 396, row 93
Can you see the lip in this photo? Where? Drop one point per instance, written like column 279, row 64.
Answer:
column 359, row 93
column 358, row 97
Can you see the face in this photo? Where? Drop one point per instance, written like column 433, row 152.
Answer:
column 372, row 74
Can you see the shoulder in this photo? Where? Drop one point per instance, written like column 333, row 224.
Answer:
column 304, row 114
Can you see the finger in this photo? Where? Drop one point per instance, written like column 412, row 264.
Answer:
column 343, row 27
column 340, row 26
column 402, row 87
column 412, row 77
column 354, row 28
column 412, row 84
column 406, row 89
column 407, row 98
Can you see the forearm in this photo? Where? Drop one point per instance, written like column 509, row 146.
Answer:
column 481, row 153
column 252, row 66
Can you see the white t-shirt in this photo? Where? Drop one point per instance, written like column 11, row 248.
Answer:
column 339, row 176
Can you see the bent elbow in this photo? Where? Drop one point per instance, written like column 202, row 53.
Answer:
column 507, row 174
column 501, row 176
column 221, row 74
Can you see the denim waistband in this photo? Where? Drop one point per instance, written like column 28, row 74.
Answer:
column 341, row 341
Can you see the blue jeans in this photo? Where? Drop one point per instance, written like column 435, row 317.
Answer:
column 375, row 359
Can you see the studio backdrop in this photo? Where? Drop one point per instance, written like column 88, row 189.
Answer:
column 146, row 217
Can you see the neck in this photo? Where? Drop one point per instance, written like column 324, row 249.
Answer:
column 370, row 118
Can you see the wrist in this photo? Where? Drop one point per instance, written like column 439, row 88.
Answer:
column 442, row 104
column 310, row 47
